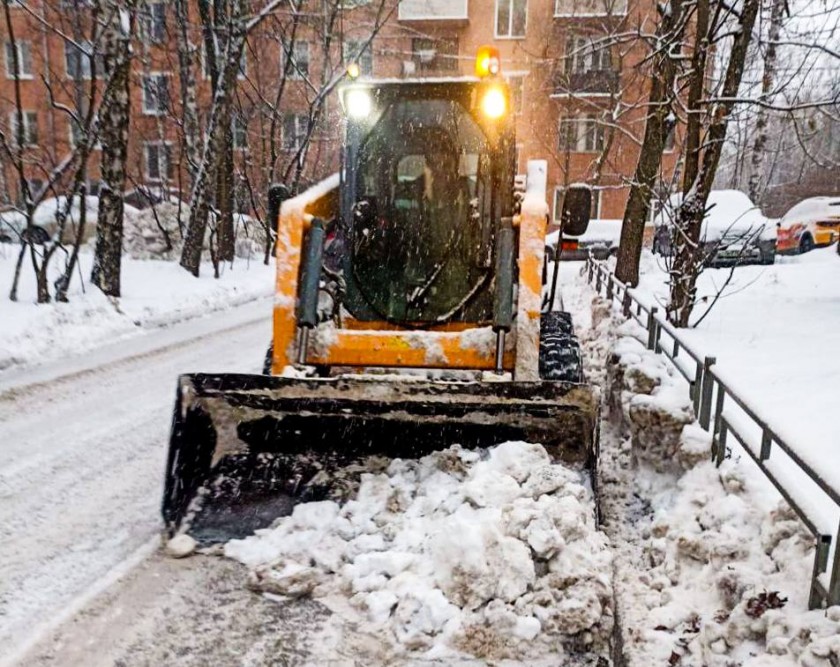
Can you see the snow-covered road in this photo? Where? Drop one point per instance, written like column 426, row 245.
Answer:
column 83, row 451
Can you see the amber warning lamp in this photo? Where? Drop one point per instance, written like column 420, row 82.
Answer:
column 487, row 62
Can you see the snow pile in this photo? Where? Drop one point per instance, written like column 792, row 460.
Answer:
column 154, row 294
column 728, row 577
column 650, row 400
column 714, row 568
column 492, row 554
column 155, row 233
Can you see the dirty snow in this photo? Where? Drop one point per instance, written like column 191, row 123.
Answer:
column 712, row 567
column 492, row 554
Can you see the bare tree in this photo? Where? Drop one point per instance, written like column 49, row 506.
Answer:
column 659, row 121
column 114, row 120
column 702, row 157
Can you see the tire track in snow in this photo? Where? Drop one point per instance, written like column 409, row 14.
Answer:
column 82, row 471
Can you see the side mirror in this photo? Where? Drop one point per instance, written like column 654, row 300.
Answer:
column 577, row 203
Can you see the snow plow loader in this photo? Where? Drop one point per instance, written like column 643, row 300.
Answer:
column 409, row 316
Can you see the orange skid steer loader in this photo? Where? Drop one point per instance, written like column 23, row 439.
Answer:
column 408, row 316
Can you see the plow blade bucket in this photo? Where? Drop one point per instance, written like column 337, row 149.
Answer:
column 246, row 448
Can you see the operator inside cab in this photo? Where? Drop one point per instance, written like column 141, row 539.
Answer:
column 423, row 166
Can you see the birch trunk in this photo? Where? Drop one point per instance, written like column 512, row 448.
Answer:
column 113, row 133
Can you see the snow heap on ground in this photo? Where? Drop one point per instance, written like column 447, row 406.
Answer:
column 492, row 554
column 155, row 233
column 713, row 568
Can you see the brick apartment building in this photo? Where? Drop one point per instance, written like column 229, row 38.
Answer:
column 576, row 85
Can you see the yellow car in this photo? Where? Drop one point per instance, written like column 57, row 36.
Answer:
column 812, row 223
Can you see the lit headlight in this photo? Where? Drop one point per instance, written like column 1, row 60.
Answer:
column 494, row 104
column 358, row 103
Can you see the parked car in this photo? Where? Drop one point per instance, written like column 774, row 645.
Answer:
column 600, row 239
column 812, row 223
column 734, row 230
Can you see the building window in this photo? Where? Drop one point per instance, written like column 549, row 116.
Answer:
column 583, row 134
column 243, row 63
column 583, row 54
column 24, row 60
column 359, row 51
column 294, row 131
column 239, row 131
column 511, row 17
column 155, row 94
column 299, row 65
column 78, row 61
column 158, row 159
column 30, row 127
column 153, row 22
column 434, row 55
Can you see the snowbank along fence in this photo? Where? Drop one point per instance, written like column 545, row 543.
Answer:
column 727, row 415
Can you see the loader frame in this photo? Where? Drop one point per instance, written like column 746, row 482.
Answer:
column 365, row 344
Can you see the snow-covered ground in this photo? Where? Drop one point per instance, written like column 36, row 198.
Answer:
column 154, row 293
column 83, row 455
column 776, row 335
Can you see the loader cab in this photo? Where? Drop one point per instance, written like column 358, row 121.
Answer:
column 427, row 174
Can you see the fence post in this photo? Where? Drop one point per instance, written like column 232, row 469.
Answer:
column 695, row 388
column 820, row 563
column 706, row 393
column 720, row 444
column 598, row 281
column 609, row 287
column 765, row 444
column 834, row 583
column 590, row 264
column 652, row 325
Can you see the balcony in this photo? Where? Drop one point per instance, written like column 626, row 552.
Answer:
column 587, row 8
column 433, row 10
column 583, row 84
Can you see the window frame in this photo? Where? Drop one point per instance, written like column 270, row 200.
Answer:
column 294, row 72
column 299, row 136
column 157, row 111
column 84, row 61
column 241, row 75
column 239, row 127
column 169, row 170
column 363, row 53
column 28, row 126
column 149, row 22
column 509, row 34
column 581, row 137
column 19, row 45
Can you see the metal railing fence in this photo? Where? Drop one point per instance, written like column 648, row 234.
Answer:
column 723, row 413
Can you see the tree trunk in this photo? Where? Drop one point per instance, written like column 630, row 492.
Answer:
column 186, row 77
column 671, row 28
column 755, row 185
column 113, row 132
column 214, row 146
column 224, row 190
column 688, row 262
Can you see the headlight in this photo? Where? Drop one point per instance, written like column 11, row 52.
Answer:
column 358, row 103
column 494, row 103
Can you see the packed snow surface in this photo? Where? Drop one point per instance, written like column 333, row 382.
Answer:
column 493, row 554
